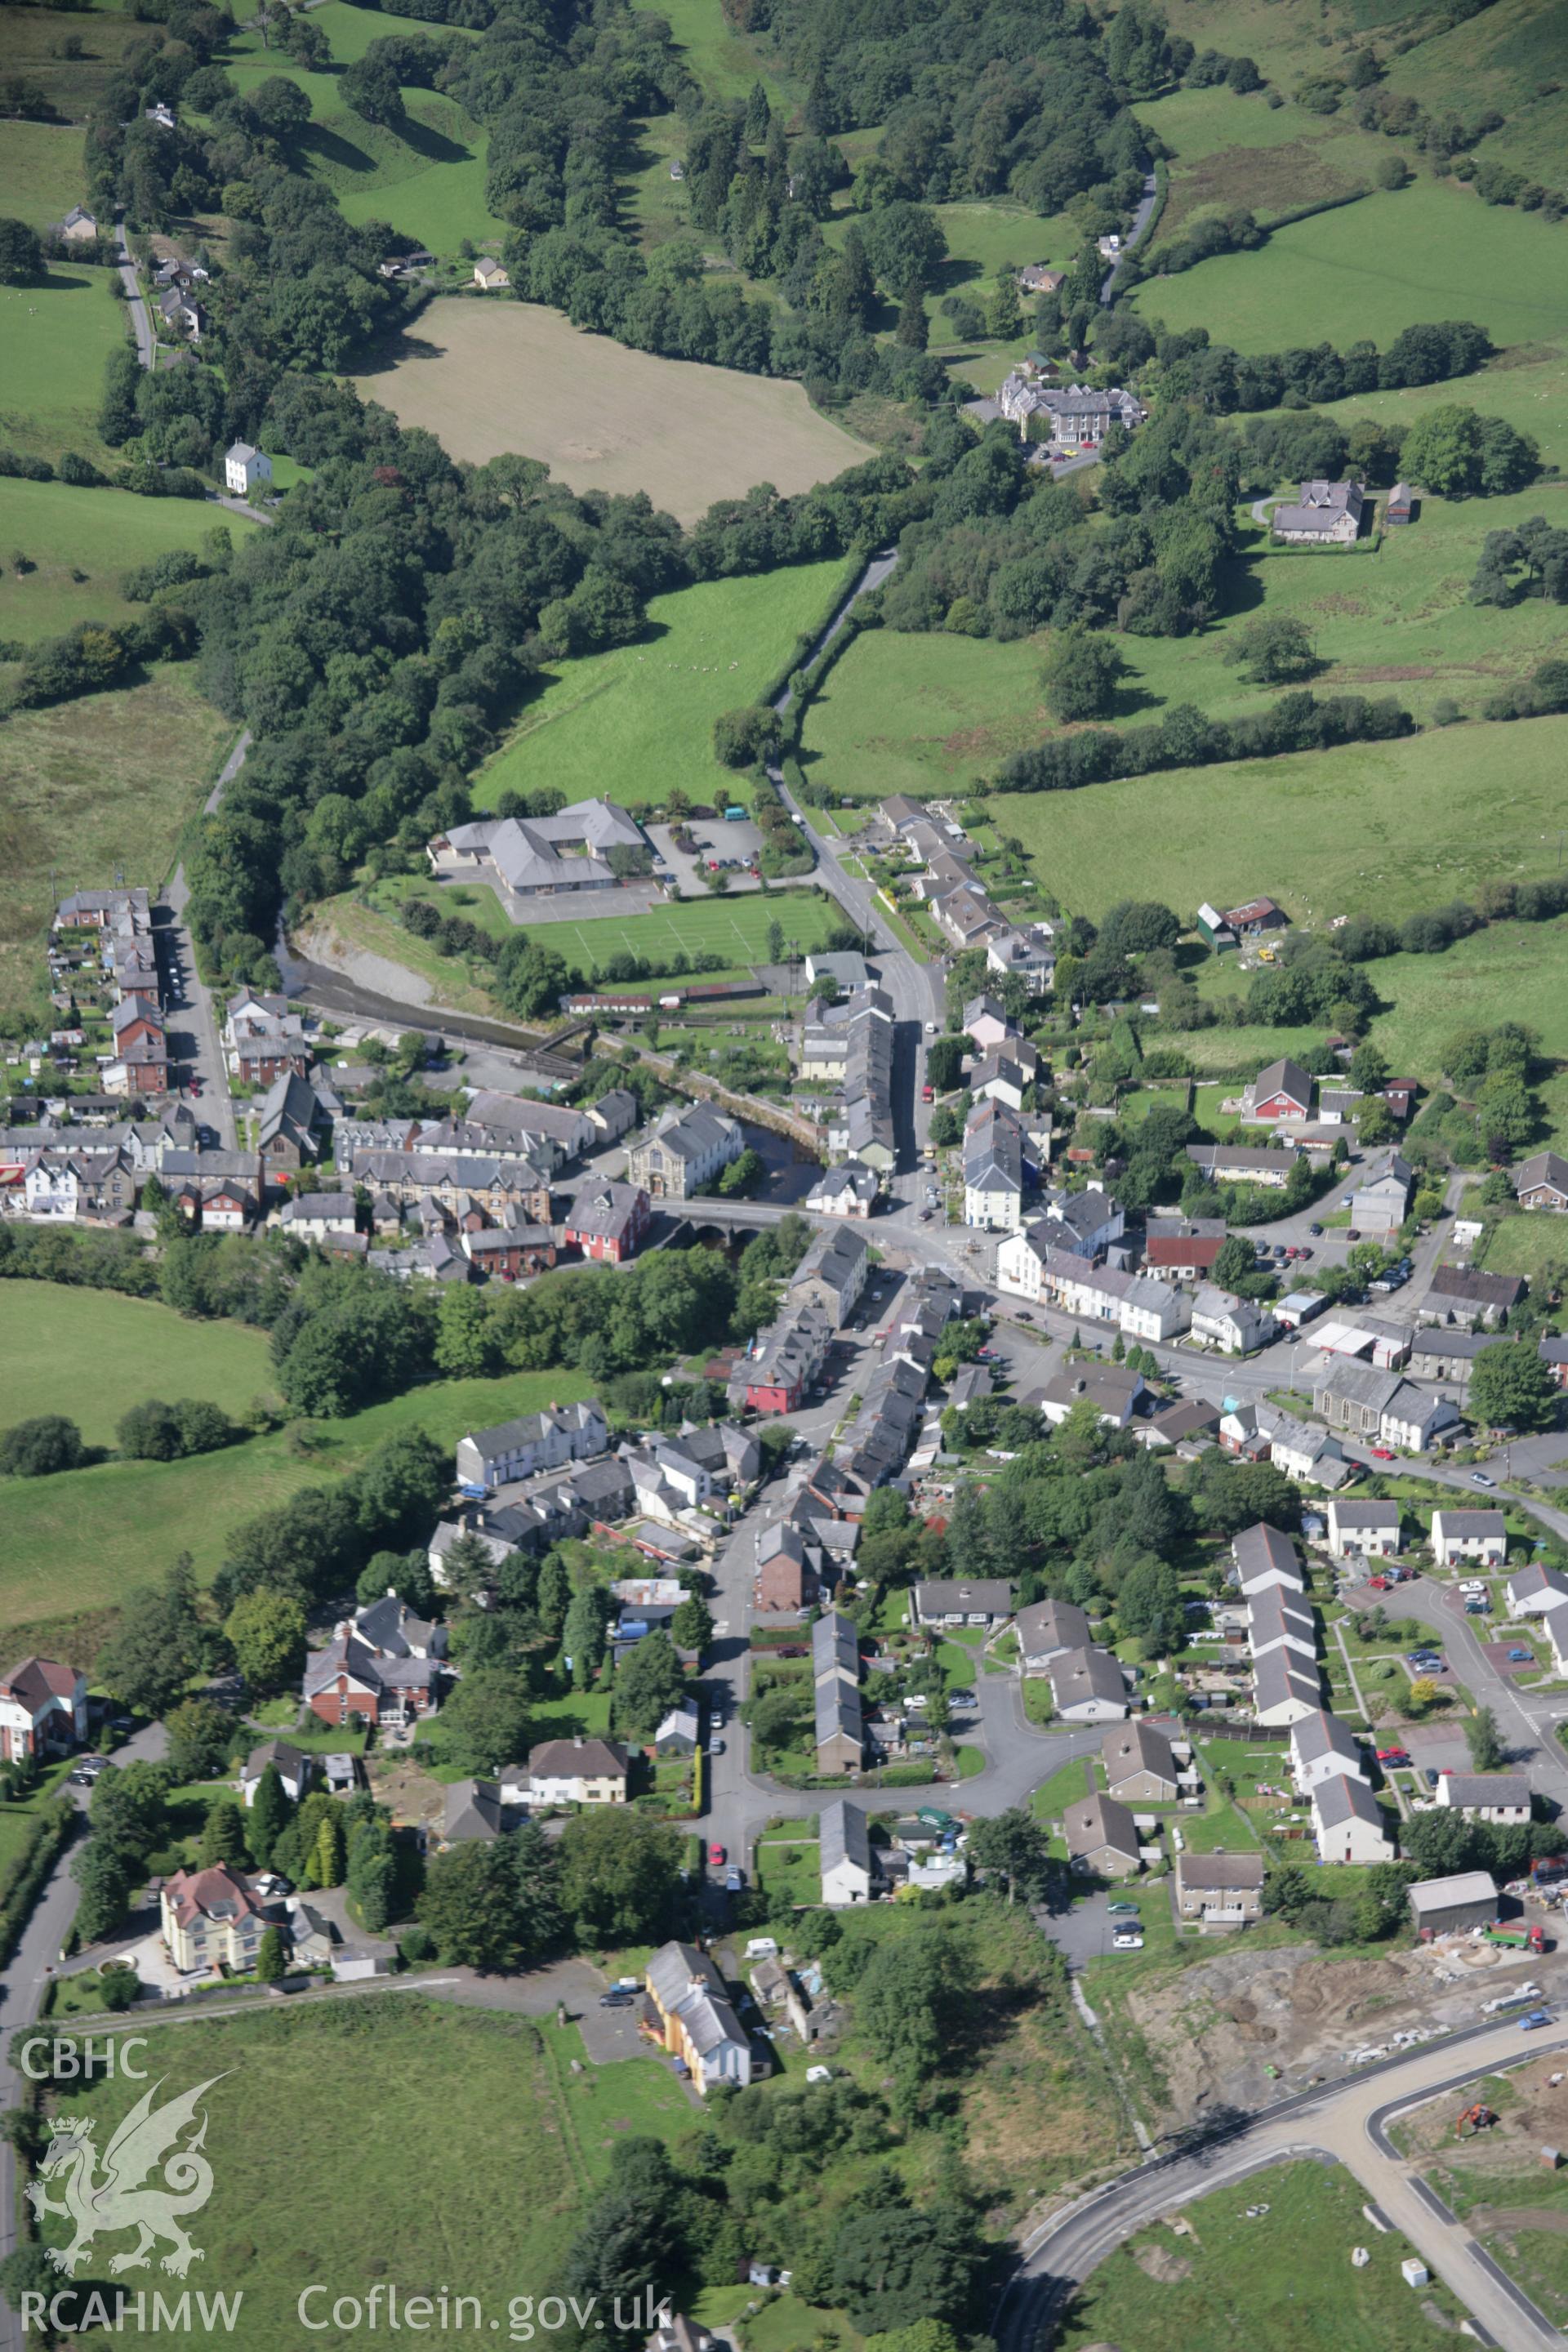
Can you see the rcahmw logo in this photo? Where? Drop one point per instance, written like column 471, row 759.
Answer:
column 99, row 2202
column 147, row 2311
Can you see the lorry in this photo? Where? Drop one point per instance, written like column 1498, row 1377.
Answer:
column 1517, row 1936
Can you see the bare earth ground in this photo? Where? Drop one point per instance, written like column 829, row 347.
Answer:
column 1214, row 2027
column 490, row 377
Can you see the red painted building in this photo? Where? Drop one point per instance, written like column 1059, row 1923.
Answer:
column 609, row 1221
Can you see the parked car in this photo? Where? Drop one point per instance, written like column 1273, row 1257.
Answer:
column 1127, row 1939
column 1303, row 1253
column 615, row 1999
column 1314, row 1231
column 1352, row 1233
column 1521, row 1657
column 1472, row 1584
column 1278, row 1250
column 1023, row 1315
column 718, row 1855
column 1393, row 1755
column 1114, row 1908
column 1479, row 1478
column 1382, row 1452
column 715, row 1747
column 1430, row 1775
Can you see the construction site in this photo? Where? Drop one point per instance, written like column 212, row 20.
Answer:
column 1496, row 2152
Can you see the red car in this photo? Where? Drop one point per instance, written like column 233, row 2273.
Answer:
column 927, row 1094
column 1391, row 1755
column 1380, row 1453
column 718, row 1856
column 1377, row 1583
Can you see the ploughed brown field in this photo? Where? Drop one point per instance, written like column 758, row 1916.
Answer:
column 488, row 376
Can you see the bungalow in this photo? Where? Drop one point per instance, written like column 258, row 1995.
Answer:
column 212, row 1919
column 1541, row 1181
column 1045, row 1630
column 986, row 1602
column 691, row 2016
column 1114, row 1389
column 1190, row 1425
column 1219, row 1890
column 1533, row 1591
column 1500, row 1796
column 1465, row 1296
column 1138, row 1766
column 577, row 1771
column 1323, row 1745
column 1348, row 1822
column 1234, row 1325
column 1182, row 1257
column 1363, row 1531
column 43, row 1709
column 1087, row 1686
column 1234, row 1163
column 1482, row 1537
column 1284, row 1687
column 1101, row 1837
column 848, row 1871
column 680, row 1733
column 1282, row 1090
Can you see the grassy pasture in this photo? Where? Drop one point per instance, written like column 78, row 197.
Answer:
column 499, row 376
column 722, row 59
column 282, row 2217
column 1527, row 386
column 1509, row 58
column 102, row 533
column 41, row 172
column 912, row 713
column 34, row 43
column 1234, row 150
column 55, row 337
column 79, row 1540
column 91, row 785
column 1429, row 251
column 1510, row 972
column 90, row 1353
column 637, row 719
column 1523, row 1244
column 1379, row 828
column 1285, row 2278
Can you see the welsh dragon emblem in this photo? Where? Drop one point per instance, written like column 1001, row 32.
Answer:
column 118, row 2200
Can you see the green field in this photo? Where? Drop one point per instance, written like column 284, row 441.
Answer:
column 57, row 337
column 722, row 60
column 106, row 781
column 1282, row 2280
column 1510, row 972
column 76, row 1541
column 1232, row 150
column 426, row 178
column 1523, row 1244
column 101, row 533
column 34, row 45
column 1375, row 828
column 289, row 2210
column 92, row 1353
column 639, row 720
column 734, row 928
column 1429, row 251
column 41, row 172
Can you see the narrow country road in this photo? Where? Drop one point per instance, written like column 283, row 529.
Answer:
column 876, row 572
column 200, row 1045
column 23, row 1980
column 140, row 317
column 1134, row 238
